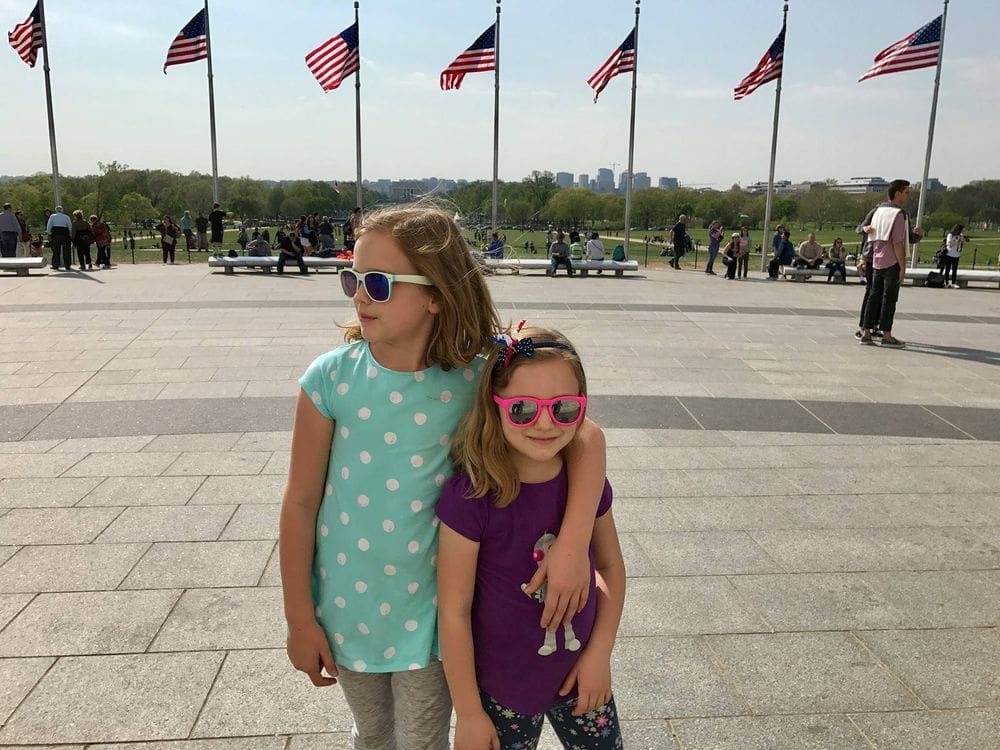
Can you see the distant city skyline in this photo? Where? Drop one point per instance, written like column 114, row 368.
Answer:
column 112, row 101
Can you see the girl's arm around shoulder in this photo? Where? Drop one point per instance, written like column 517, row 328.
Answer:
column 312, row 438
column 592, row 671
column 567, row 566
column 456, row 573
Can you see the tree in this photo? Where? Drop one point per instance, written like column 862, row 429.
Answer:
column 941, row 219
column 274, row 200
column 197, row 194
column 516, row 211
column 649, row 208
column 246, row 199
column 785, row 208
column 539, row 187
column 569, row 207
column 133, row 208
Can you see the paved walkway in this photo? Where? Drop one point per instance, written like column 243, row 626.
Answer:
column 811, row 527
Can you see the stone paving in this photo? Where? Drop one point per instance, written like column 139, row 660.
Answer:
column 811, row 527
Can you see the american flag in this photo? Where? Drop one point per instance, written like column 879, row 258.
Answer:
column 191, row 44
column 336, row 59
column 768, row 69
column 921, row 49
column 26, row 38
column 622, row 60
column 478, row 58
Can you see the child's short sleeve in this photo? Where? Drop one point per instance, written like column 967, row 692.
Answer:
column 604, row 505
column 460, row 513
column 317, row 383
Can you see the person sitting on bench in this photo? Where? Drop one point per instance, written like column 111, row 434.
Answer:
column 810, row 253
column 560, row 255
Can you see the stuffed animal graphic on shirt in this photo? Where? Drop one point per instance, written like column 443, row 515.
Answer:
column 542, row 547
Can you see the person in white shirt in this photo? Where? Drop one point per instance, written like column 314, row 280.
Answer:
column 953, row 253
column 58, row 229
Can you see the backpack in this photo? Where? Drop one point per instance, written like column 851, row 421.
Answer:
column 940, row 255
column 618, row 253
column 934, row 280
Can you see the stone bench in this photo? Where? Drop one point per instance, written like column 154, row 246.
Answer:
column 21, row 266
column 916, row 276
column 799, row 274
column 267, row 262
column 965, row 276
column 516, row 265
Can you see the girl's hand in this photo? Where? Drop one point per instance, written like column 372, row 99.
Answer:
column 309, row 652
column 592, row 676
column 476, row 732
column 568, row 575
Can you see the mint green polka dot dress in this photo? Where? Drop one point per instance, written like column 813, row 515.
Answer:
column 374, row 578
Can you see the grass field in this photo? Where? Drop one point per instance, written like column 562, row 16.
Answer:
column 981, row 250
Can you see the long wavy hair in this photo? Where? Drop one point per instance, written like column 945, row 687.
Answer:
column 479, row 447
column 434, row 244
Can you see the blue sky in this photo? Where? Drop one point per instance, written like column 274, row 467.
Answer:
column 112, row 101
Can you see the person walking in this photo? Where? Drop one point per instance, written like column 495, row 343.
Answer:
column 187, row 225
column 201, row 227
column 10, row 232
column 24, row 244
column 215, row 219
column 889, row 230
column 102, row 238
column 953, row 245
column 679, row 238
column 743, row 258
column 242, row 240
column 714, row 240
column 169, row 232
column 82, row 238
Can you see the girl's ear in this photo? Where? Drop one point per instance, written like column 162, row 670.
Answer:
column 433, row 303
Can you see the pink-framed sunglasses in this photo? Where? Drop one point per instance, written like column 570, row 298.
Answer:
column 523, row 411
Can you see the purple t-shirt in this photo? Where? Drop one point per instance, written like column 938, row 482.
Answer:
column 504, row 619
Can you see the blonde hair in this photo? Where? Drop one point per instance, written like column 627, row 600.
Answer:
column 479, row 448
column 433, row 242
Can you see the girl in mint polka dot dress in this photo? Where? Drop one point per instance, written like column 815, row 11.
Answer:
column 370, row 453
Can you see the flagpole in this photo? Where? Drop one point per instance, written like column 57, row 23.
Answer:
column 56, row 193
column 774, row 152
column 930, row 138
column 496, row 116
column 211, row 109
column 357, row 106
column 631, row 133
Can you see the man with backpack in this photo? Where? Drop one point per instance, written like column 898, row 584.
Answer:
column 888, row 229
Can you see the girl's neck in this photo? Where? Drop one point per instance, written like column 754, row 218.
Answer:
column 399, row 359
column 536, row 472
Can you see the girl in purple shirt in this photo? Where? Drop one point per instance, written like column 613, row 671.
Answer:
column 499, row 514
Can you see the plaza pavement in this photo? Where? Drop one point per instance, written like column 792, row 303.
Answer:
column 811, row 527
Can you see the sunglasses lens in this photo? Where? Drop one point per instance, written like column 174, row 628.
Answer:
column 522, row 412
column 377, row 286
column 349, row 282
column 565, row 411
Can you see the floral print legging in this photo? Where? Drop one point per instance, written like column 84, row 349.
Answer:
column 595, row 730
